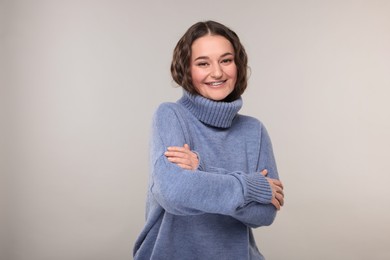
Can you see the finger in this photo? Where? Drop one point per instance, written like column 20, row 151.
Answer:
column 276, row 203
column 176, row 154
column 187, row 147
column 277, row 189
column 277, row 183
column 178, row 160
column 184, row 166
column 280, row 193
column 280, row 190
column 264, row 172
column 279, row 197
column 176, row 148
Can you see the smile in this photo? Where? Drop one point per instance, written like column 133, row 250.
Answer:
column 216, row 83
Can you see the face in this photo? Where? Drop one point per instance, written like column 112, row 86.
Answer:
column 213, row 71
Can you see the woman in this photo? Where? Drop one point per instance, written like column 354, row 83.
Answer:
column 213, row 174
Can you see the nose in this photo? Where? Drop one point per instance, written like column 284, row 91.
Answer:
column 216, row 72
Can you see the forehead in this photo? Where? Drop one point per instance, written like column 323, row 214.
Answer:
column 211, row 46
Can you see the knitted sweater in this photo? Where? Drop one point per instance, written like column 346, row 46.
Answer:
column 208, row 213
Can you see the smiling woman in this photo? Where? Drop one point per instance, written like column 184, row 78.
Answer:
column 213, row 71
column 213, row 174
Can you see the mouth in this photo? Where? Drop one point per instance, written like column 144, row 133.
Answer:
column 215, row 83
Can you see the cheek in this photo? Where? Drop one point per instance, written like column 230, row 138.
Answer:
column 196, row 76
column 233, row 72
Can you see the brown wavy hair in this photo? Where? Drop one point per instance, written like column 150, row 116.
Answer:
column 180, row 66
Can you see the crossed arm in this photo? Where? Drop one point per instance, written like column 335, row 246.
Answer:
column 187, row 159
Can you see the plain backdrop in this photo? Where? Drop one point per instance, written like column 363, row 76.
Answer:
column 80, row 81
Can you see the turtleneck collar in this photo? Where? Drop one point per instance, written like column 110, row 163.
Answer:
column 214, row 113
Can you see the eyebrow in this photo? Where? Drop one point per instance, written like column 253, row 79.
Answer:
column 206, row 57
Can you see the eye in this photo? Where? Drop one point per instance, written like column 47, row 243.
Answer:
column 202, row 64
column 227, row 61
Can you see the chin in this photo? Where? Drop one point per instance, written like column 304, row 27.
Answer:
column 222, row 98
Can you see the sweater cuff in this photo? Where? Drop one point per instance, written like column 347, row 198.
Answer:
column 257, row 189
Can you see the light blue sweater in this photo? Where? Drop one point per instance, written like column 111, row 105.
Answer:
column 207, row 213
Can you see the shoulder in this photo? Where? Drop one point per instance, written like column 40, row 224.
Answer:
column 166, row 110
column 166, row 107
column 168, row 113
column 249, row 121
column 169, row 124
column 252, row 126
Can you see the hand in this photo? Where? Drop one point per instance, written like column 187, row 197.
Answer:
column 183, row 157
column 277, row 190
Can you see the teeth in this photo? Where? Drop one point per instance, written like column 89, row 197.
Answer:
column 216, row 83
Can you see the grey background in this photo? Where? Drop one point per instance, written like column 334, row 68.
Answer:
column 81, row 79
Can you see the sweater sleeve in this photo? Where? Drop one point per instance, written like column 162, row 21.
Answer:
column 257, row 214
column 184, row 192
